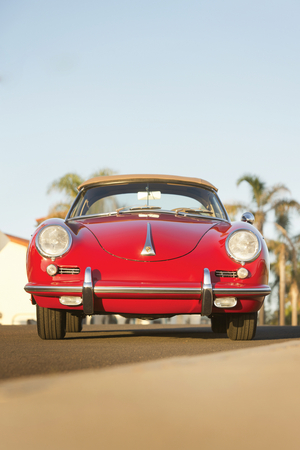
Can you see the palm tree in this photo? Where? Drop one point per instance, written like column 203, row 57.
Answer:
column 68, row 185
column 282, row 282
column 264, row 199
column 286, row 267
column 280, row 249
column 294, row 275
column 278, row 267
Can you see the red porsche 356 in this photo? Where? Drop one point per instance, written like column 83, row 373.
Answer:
column 147, row 246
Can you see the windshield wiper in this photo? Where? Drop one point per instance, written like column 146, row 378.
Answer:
column 125, row 209
column 90, row 216
column 192, row 211
column 137, row 209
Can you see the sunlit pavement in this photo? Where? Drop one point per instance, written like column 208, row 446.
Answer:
column 242, row 399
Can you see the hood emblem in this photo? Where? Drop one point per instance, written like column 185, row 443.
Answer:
column 148, row 247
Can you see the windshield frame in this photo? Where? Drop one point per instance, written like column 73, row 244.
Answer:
column 152, row 210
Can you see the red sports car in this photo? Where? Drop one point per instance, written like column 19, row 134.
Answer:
column 147, row 246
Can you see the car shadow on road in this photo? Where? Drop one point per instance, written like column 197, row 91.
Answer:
column 102, row 333
column 263, row 333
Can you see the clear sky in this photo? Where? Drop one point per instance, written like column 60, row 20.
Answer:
column 188, row 87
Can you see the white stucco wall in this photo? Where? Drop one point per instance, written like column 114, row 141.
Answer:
column 15, row 305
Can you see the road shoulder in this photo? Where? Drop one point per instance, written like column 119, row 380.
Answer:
column 235, row 399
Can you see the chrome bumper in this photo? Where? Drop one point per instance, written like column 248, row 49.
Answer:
column 206, row 292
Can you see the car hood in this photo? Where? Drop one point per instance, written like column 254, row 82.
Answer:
column 125, row 237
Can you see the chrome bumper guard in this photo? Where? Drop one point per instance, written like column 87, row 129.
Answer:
column 207, row 295
column 207, row 292
column 88, row 293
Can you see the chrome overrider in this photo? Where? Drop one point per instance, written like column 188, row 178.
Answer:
column 206, row 292
column 88, row 292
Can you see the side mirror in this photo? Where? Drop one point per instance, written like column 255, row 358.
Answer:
column 248, row 217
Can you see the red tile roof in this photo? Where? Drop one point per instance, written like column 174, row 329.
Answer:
column 18, row 240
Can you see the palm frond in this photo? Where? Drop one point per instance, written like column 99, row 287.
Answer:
column 67, row 184
column 105, row 172
column 273, row 246
column 285, row 205
column 258, row 186
column 275, row 190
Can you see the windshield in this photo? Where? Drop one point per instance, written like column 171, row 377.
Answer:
column 133, row 197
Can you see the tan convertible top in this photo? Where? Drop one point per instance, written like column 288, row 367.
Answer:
column 121, row 179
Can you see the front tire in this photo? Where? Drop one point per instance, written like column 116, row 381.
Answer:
column 51, row 323
column 241, row 327
column 73, row 323
column 218, row 323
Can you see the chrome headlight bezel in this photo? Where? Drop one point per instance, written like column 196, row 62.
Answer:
column 46, row 254
column 235, row 257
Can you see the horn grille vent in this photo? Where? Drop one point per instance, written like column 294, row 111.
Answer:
column 68, row 270
column 226, row 274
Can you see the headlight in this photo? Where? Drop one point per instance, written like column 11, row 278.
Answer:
column 243, row 245
column 53, row 241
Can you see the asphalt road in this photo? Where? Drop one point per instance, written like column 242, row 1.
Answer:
column 23, row 353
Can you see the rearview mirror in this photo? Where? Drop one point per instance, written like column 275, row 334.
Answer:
column 150, row 195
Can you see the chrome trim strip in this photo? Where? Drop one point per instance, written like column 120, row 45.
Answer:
column 41, row 289
column 116, row 290
column 144, row 211
column 145, row 290
column 148, row 290
column 148, row 247
column 242, row 291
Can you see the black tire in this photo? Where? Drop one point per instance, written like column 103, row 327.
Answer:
column 73, row 323
column 241, row 327
column 51, row 323
column 218, row 324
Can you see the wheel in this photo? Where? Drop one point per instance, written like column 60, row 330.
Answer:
column 241, row 327
column 73, row 323
column 218, row 323
column 51, row 323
